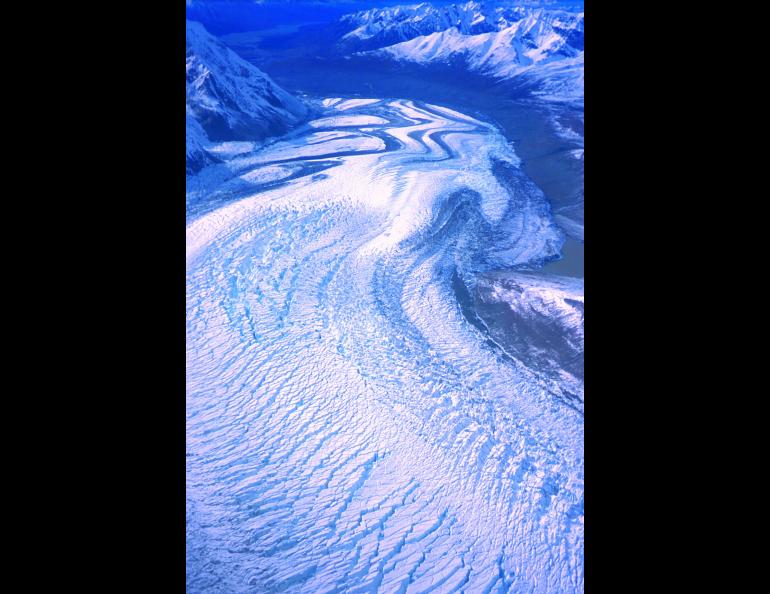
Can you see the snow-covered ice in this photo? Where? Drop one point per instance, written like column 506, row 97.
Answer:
column 349, row 120
column 353, row 103
column 351, row 427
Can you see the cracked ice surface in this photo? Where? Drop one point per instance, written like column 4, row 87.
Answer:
column 348, row 428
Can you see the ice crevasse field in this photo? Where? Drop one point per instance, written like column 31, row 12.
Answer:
column 384, row 362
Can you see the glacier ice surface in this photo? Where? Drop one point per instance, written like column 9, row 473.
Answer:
column 353, row 425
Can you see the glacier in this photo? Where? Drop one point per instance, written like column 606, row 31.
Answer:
column 357, row 419
column 384, row 298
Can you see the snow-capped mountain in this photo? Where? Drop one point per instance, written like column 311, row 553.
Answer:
column 380, row 27
column 197, row 141
column 544, row 45
column 230, row 99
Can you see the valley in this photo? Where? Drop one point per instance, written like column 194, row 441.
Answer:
column 384, row 317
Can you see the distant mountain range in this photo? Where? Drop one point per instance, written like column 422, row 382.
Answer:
column 541, row 47
column 380, row 27
column 230, row 99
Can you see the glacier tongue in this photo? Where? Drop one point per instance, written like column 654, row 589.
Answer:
column 349, row 428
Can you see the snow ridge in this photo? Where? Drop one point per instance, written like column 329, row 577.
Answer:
column 379, row 27
column 542, row 48
column 230, row 99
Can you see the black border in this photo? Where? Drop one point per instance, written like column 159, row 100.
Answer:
column 120, row 87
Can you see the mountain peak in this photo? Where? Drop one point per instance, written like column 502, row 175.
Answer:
column 230, row 99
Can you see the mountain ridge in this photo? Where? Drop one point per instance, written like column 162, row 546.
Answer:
column 229, row 98
column 541, row 47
